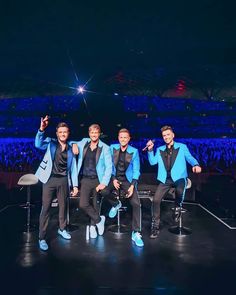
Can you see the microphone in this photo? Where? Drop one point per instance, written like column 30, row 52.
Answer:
column 147, row 145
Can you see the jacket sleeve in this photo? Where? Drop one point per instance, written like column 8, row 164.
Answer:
column 74, row 172
column 40, row 142
column 153, row 159
column 189, row 158
column 108, row 165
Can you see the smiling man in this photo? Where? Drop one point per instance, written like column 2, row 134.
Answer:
column 125, row 175
column 172, row 161
column 94, row 168
column 56, row 171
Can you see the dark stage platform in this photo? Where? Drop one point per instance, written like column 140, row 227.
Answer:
column 203, row 262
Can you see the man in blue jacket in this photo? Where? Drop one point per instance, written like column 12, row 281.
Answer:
column 125, row 175
column 172, row 172
column 57, row 172
column 94, row 167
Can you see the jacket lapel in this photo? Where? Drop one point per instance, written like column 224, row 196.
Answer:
column 128, row 158
column 116, row 156
column 85, row 148
column 174, row 155
column 98, row 153
column 53, row 147
column 164, row 158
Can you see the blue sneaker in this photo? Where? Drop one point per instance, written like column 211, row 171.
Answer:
column 137, row 238
column 64, row 234
column 43, row 245
column 114, row 210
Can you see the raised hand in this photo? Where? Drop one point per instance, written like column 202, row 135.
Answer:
column 44, row 123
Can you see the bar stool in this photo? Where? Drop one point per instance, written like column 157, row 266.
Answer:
column 179, row 229
column 28, row 180
column 119, row 228
column 70, row 227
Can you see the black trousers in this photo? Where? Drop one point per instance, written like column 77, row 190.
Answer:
column 58, row 186
column 87, row 190
column 134, row 202
column 162, row 190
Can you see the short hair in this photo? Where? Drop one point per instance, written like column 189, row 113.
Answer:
column 124, row 130
column 62, row 124
column 95, row 126
column 166, row 127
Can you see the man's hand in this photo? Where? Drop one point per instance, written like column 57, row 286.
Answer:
column 197, row 169
column 74, row 192
column 100, row 187
column 116, row 184
column 75, row 149
column 130, row 191
column 44, row 123
column 150, row 145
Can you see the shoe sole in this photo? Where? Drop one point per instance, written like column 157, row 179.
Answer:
column 43, row 249
column 64, row 237
column 136, row 244
column 153, row 237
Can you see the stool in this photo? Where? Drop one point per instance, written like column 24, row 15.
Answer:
column 119, row 228
column 28, row 180
column 179, row 229
column 70, row 227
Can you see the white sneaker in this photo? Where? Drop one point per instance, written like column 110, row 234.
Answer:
column 100, row 225
column 93, row 232
column 64, row 234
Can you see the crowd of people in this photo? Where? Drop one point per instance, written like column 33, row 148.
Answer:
column 215, row 154
column 18, row 155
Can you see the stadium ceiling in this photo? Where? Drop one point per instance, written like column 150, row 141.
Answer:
column 129, row 48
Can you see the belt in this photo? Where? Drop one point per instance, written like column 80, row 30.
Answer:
column 90, row 177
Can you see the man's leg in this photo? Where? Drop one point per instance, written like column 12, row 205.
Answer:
column 112, row 198
column 180, row 188
column 87, row 187
column 47, row 196
column 161, row 191
column 62, row 194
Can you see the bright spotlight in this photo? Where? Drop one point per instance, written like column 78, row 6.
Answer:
column 80, row 89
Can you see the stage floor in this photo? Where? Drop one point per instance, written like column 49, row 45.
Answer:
column 201, row 263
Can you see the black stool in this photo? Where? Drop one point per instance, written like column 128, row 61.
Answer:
column 119, row 228
column 28, row 180
column 179, row 229
column 70, row 227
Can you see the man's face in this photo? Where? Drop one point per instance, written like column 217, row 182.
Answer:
column 94, row 134
column 168, row 136
column 123, row 138
column 62, row 134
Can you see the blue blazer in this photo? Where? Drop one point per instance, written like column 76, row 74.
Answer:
column 103, row 159
column 45, row 168
column 132, row 161
column 180, row 156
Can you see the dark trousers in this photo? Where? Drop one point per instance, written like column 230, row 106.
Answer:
column 162, row 190
column 134, row 202
column 87, row 190
column 58, row 186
